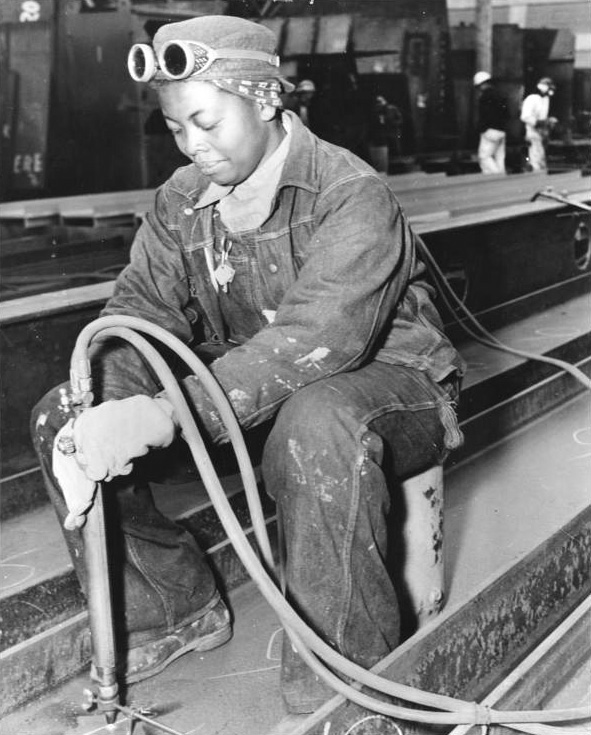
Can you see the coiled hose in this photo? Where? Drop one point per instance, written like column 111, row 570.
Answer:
column 314, row 651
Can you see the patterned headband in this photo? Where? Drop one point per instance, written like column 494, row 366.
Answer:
column 268, row 92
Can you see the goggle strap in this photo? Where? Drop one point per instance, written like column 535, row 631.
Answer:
column 230, row 53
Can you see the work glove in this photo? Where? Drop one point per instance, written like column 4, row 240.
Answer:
column 109, row 436
column 77, row 489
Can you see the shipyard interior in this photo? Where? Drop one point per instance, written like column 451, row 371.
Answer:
column 418, row 195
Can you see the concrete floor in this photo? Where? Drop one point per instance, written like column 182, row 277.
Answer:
column 499, row 506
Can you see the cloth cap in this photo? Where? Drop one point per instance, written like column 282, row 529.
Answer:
column 481, row 77
column 226, row 32
column 548, row 82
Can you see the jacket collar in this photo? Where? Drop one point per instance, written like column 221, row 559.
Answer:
column 301, row 165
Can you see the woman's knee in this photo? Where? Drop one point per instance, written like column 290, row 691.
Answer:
column 314, row 417
column 315, row 435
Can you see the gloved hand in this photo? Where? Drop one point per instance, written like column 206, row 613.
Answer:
column 109, row 436
column 78, row 490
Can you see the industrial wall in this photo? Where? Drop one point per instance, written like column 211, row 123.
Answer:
column 574, row 15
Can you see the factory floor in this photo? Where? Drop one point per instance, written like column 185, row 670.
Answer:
column 499, row 505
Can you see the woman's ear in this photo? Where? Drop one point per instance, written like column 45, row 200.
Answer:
column 267, row 112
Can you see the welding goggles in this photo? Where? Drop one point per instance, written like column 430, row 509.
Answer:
column 181, row 59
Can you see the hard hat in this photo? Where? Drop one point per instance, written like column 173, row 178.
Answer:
column 480, row 77
column 306, row 85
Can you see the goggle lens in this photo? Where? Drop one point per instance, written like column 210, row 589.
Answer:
column 174, row 61
column 141, row 62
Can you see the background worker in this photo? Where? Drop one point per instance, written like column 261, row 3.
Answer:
column 287, row 263
column 384, row 132
column 538, row 124
column 493, row 116
column 303, row 96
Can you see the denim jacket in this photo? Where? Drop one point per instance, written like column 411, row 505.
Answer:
column 330, row 281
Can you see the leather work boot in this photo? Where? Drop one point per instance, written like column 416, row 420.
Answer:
column 210, row 630
column 302, row 690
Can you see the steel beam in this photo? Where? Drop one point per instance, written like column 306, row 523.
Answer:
column 470, row 648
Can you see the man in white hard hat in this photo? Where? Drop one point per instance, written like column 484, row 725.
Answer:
column 535, row 115
column 493, row 115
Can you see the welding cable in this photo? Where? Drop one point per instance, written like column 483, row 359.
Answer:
column 520, row 673
column 310, row 646
column 196, row 444
column 485, row 337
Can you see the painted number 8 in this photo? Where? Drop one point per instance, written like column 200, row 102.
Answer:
column 30, row 11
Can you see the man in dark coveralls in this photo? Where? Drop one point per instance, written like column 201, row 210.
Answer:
column 493, row 116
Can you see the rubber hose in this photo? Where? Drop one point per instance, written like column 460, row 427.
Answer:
column 309, row 644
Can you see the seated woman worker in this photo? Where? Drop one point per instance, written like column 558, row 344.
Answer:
column 294, row 262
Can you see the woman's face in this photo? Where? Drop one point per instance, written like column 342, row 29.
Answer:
column 225, row 135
